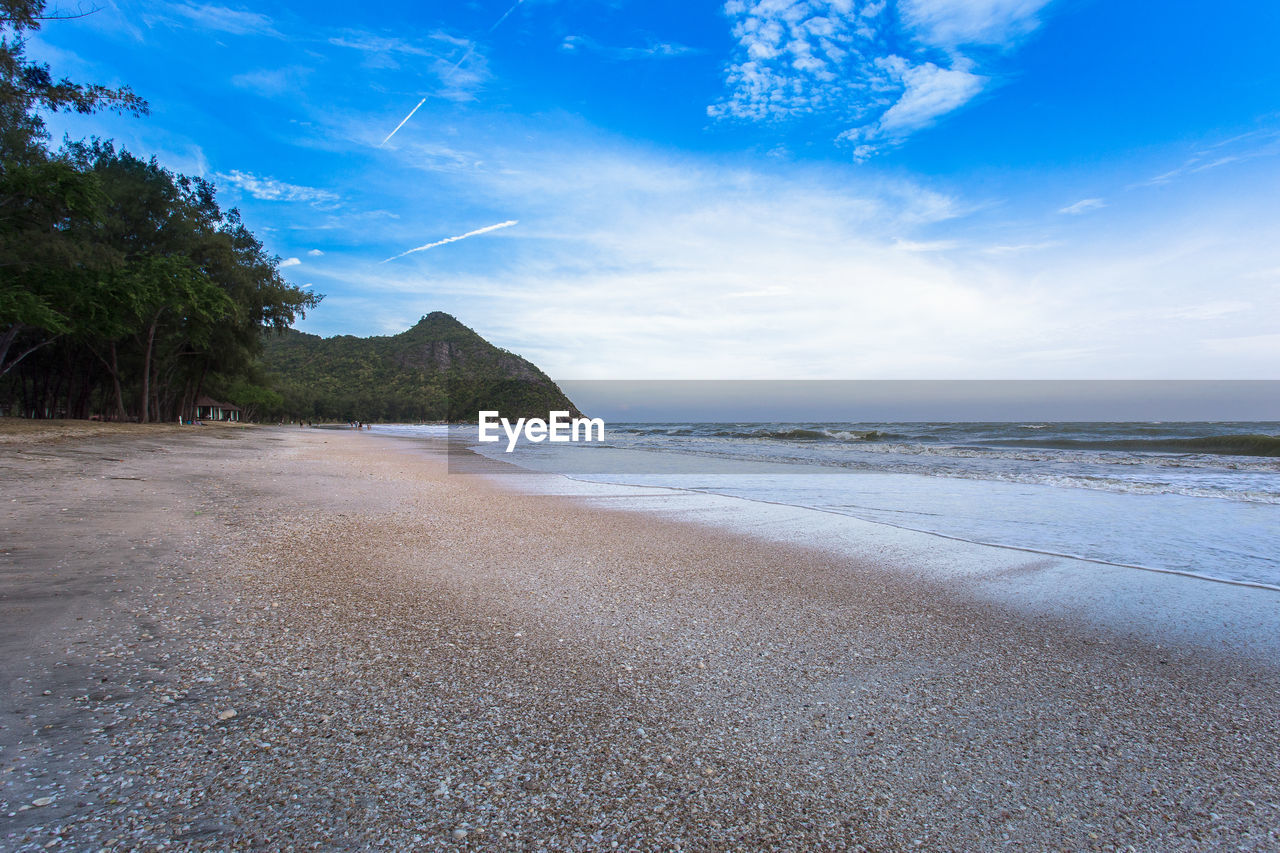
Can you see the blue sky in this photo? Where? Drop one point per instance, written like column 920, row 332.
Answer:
column 755, row 189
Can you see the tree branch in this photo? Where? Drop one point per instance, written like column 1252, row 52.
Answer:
column 13, row 363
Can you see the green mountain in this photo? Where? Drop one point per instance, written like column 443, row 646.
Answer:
column 439, row 370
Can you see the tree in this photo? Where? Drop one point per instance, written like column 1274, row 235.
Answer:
column 27, row 87
column 40, row 194
column 190, row 290
column 255, row 400
column 122, row 285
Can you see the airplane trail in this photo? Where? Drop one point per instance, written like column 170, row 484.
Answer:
column 505, row 14
column 449, row 73
column 402, row 122
column 483, row 230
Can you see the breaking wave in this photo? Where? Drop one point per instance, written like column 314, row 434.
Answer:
column 1224, row 445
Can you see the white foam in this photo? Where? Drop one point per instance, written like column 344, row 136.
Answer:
column 1157, row 607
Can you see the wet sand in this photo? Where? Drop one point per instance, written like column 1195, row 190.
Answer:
column 417, row 660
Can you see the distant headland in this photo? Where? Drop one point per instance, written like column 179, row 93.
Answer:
column 438, row 370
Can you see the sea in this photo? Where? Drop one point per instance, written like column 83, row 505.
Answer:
column 1200, row 498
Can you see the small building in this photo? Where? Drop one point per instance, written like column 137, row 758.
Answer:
column 209, row 409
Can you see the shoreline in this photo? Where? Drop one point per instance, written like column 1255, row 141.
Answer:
column 1002, row 546
column 1143, row 510
column 428, row 660
column 1159, row 605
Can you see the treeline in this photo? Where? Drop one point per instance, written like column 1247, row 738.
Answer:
column 439, row 370
column 125, row 290
column 406, row 398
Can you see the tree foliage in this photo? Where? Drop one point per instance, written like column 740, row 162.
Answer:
column 439, row 370
column 127, row 292
column 124, row 288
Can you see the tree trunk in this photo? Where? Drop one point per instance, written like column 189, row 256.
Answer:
column 155, row 391
column 188, row 396
column 115, row 381
column 66, row 384
column 146, row 368
column 204, row 370
column 6, row 340
column 85, row 373
column 168, row 400
column 199, row 386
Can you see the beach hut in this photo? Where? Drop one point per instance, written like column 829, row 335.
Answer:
column 209, row 409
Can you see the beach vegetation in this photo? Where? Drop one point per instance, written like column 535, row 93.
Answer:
column 126, row 291
column 439, row 370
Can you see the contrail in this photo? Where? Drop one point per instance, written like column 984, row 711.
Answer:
column 402, row 123
column 443, row 78
column 484, row 230
column 449, row 73
column 505, row 14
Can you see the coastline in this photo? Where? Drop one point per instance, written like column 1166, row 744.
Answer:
column 1154, row 605
column 439, row 660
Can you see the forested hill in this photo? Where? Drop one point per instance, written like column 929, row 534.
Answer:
column 438, row 370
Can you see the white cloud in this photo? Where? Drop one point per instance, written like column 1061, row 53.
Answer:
column 315, row 253
column 435, row 157
column 373, row 43
column 798, row 58
column 1209, row 310
column 186, row 159
column 289, row 262
column 883, row 72
column 1221, row 161
column 929, row 92
column 1084, row 205
column 625, row 265
column 111, row 18
column 956, row 23
column 653, row 50
column 630, row 263
column 1264, row 348
column 1018, row 248
column 347, row 220
column 270, row 189
column 221, row 19
column 1237, row 149
column 1272, row 273
column 271, row 81
column 926, row 245
column 458, row 64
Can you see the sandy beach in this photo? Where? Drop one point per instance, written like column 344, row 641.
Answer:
column 222, row 638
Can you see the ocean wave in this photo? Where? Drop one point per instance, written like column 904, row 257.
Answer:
column 1247, row 491
column 879, row 449
column 1219, row 445
column 797, row 434
column 805, row 434
column 869, row 435
column 759, row 432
